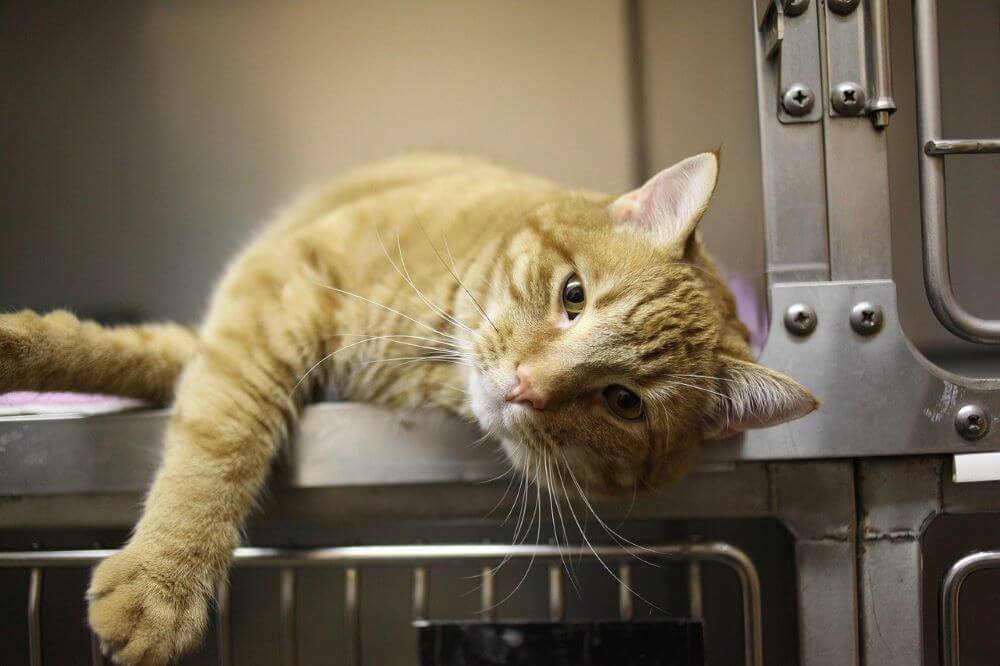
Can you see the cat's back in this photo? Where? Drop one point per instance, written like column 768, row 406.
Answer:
column 442, row 178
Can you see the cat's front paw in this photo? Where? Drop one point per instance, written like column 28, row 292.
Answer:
column 145, row 610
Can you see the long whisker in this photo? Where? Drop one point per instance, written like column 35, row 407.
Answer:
column 405, row 274
column 538, row 536
column 505, row 492
column 555, row 530
column 387, row 308
column 612, row 533
column 600, row 560
column 454, row 274
column 392, row 336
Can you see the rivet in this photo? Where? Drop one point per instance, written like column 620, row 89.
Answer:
column 798, row 99
column 842, row 7
column 972, row 422
column 795, row 7
column 848, row 99
column 866, row 318
column 800, row 319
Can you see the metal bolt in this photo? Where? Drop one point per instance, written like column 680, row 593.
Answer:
column 798, row 99
column 842, row 7
column 972, row 422
column 795, row 7
column 866, row 318
column 848, row 99
column 800, row 319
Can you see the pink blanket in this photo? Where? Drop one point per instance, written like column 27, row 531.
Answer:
column 28, row 402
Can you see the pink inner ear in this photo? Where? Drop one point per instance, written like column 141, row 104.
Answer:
column 670, row 204
column 626, row 209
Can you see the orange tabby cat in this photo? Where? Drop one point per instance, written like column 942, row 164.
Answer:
column 589, row 334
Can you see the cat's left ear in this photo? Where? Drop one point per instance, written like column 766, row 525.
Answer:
column 752, row 396
column 670, row 204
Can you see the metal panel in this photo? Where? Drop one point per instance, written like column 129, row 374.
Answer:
column 898, row 500
column 878, row 395
column 793, row 180
column 816, row 502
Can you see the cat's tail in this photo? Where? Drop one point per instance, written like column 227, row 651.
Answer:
column 58, row 352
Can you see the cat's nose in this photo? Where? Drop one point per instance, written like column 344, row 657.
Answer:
column 525, row 390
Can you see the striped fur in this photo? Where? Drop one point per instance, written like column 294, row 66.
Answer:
column 418, row 282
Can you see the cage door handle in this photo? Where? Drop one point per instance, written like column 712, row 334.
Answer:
column 934, row 224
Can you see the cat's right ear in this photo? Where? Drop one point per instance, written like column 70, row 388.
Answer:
column 668, row 207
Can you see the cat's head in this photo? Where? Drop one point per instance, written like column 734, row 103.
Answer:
column 614, row 348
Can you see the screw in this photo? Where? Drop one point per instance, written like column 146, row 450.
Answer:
column 866, row 318
column 848, row 99
column 795, row 7
column 800, row 319
column 798, row 99
column 972, row 422
column 843, row 7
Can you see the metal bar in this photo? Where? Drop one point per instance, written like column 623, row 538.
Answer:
column 289, row 618
column 352, row 606
column 488, row 593
column 35, row 617
column 951, row 590
column 223, row 624
column 933, row 212
column 351, row 556
column 694, row 590
column 626, row 605
column 396, row 555
column 420, row 593
column 635, row 60
column 962, row 146
column 557, row 605
column 96, row 658
column 881, row 103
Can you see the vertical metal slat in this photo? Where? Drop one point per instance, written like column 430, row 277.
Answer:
column 35, row 617
column 626, row 606
column 289, row 618
column 223, row 624
column 420, row 593
column 557, row 604
column 694, row 590
column 96, row 658
column 488, row 593
column 352, row 604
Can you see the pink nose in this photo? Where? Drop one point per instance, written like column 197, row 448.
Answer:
column 524, row 391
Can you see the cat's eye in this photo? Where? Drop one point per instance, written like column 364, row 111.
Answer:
column 573, row 296
column 622, row 402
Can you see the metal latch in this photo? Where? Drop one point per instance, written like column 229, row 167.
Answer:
column 857, row 56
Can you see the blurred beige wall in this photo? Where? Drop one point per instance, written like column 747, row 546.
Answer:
column 143, row 142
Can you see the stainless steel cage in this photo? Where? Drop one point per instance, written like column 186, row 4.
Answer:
column 857, row 484
column 353, row 559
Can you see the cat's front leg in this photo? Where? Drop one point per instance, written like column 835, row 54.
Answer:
column 149, row 603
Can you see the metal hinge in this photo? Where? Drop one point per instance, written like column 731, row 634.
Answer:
column 792, row 37
column 855, row 49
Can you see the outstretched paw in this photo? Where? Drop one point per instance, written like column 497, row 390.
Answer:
column 145, row 611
